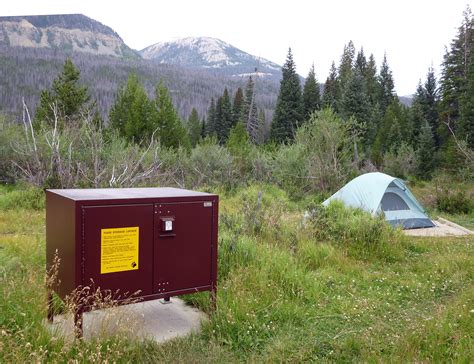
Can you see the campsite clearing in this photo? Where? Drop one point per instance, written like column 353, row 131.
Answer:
column 283, row 295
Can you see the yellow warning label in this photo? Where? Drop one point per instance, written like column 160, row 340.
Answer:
column 119, row 249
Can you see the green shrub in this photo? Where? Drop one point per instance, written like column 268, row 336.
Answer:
column 359, row 233
column 327, row 144
column 24, row 198
column 454, row 202
column 401, row 162
column 212, row 165
column 320, row 160
column 453, row 195
column 289, row 170
column 260, row 209
column 9, row 132
column 261, row 166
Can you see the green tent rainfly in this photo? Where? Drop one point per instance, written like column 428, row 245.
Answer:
column 380, row 193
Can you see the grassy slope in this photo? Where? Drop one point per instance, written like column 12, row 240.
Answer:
column 282, row 295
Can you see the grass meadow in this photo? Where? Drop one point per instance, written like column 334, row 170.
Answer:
column 338, row 287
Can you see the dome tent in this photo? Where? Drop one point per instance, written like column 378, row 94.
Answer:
column 378, row 192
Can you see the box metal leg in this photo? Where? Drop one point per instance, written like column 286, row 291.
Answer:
column 213, row 298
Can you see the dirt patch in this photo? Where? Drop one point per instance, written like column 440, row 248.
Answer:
column 443, row 228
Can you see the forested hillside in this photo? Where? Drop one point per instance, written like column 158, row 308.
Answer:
column 362, row 124
column 24, row 72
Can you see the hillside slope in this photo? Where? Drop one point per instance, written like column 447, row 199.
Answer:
column 27, row 71
column 69, row 32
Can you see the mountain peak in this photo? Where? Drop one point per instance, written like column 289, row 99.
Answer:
column 65, row 21
column 207, row 52
column 70, row 32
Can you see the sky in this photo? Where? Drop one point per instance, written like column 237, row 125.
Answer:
column 413, row 34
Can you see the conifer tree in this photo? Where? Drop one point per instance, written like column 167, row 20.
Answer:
column 455, row 74
column 311, row 94
column 66, row 97
column 425, row 152
column 371, row 83
column 430, row 104
column 361, row 62
column 394, row 135
column 203, row 128
column 249, row 112
column 354, row 102
column 166, row 122
column 289, row 107
column 331, row 89
column 393, row 131
column 211, row 119
column 240, row 148
column 218, row 119
column 260, row 137
column 386, row 85
column 237, row 106
column 194, row 127
column 132, row 113
column 223, row 117
column 347, row 64
column 373, row 124
column 418, row 117
column 238, row 143
column 466, row 127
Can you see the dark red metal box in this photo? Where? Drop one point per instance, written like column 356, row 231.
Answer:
column 161, row 242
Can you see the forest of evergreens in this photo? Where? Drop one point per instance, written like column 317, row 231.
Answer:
column 315, row 142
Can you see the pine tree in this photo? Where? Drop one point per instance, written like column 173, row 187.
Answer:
column 394, row 135
column 331, row 89
column 67, row 98
column 223, row 117
column 289, row 107
column 373, row 124
column 166, row 121
column 354, row 102
column 237, row 106
column 132, row 112
column 425, row 152
column 260, row 137
column 218, row 119
column 371, row 83
column 455, row 74
column 386, row 85
column 466, row 122
column 238, row 143
column 311, row 94
column 249, row 112
column 211, row 119
column 347, row 64
column 203, row 128
column 418, row 117
column 394, row 130
column 361, row 62
column 194, row 127
column 430, row 103
column 240, row 148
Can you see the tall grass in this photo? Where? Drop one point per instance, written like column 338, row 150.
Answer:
column 288, row 291
column 357, row 232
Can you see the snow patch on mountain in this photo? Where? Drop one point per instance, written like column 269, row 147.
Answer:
column 252, row 74
column 210, row 53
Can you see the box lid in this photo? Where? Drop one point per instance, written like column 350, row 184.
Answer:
column 126, row 193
